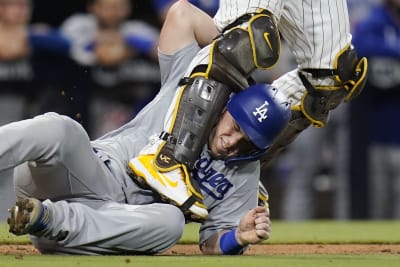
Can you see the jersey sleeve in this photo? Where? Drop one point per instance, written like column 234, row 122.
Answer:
column 134, row 135
column 227, row 212
column 173, row 67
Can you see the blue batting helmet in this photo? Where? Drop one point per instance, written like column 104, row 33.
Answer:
column 262, row 112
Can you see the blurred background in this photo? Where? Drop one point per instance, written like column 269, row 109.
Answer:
column 96, row 61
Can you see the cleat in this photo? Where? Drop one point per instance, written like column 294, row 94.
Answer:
column 28, row 216
column 139, row 181
column 169, row 185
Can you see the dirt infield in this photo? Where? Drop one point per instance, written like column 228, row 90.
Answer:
column 19, row 250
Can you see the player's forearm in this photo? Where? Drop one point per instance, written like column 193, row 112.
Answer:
column 211, row 245
column 223, row 242
column 184, row 25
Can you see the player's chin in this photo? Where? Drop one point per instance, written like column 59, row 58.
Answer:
column 216, row 150
column 218, row 153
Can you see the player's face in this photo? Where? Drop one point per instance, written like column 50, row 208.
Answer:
column 110, row 13
column 227, row 139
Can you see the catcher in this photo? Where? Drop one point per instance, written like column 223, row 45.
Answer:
column 247, row 37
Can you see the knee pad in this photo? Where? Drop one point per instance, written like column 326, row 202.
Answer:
column 254, row 44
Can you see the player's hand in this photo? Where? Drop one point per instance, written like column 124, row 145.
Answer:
column 254, row 227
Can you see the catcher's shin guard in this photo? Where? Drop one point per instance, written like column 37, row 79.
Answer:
column 200, row 102
column 196, row 111
column 349, row 75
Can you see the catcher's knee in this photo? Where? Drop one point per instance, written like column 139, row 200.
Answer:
column 252, row 42
column 255, row 44
column 348, row 78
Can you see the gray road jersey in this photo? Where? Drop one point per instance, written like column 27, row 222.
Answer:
column 228, row 192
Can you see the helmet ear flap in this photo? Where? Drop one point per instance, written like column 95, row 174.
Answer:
column 245, row 158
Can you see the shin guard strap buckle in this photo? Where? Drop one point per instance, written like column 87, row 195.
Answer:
column 188, row 203
column 169, row 138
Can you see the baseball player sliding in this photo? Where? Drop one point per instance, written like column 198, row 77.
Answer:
column 75, row 195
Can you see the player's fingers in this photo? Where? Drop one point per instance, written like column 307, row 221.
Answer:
column 261, row 219
column 262, row 235
column 260, row 209
column 263, row 226
column 264, row 231
column 262, row 215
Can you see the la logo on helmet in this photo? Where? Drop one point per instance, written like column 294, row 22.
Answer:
column 261, row 112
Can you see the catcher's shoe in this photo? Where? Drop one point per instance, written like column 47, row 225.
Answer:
column 171, row 185
column 28, row 216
